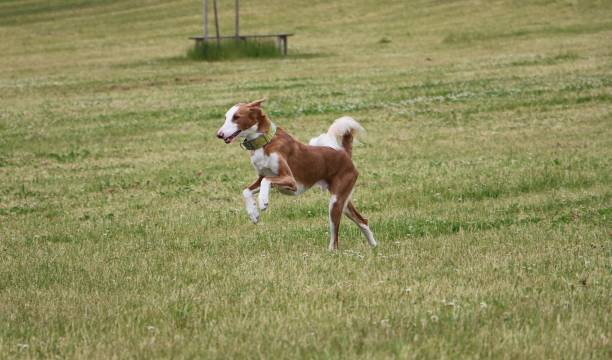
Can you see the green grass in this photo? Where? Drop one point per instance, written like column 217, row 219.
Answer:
column 233, row 49
column 485, row 174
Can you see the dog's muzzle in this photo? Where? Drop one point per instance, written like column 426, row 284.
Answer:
column 230, row 138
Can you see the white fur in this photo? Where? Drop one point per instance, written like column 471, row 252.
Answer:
column 300, row 188
column 250, row 133
column 332, row 228
column 266, row 165
column 325, row 140
column 229, row 115
column 250, row 205
column 229, row 126
column 365, row 229
column 264, row 191
column 333, row 137
column 343, row 125
column 322, row 184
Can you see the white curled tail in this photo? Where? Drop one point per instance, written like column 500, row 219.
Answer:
column 339, row 135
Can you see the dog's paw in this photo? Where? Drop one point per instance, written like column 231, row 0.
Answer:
column 263, row 204
column 262, row 199
column 251, row 207
column 254, row 216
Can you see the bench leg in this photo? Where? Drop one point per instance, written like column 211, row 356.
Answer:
column 281, row 44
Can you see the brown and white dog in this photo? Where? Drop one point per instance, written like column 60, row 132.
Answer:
column 284, row 163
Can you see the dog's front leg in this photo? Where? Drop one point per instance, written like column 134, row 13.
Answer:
column 249, row 200
column 283, row 181
column 264, row 194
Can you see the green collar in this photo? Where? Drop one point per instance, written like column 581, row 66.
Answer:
column 261, row 140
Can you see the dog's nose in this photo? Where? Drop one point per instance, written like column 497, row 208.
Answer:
column 220, row 135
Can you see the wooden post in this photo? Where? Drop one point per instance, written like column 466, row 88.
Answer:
column 205, row 20
column 217, row 23
column 237, row 19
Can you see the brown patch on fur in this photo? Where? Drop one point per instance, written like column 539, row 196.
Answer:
column 347, row 143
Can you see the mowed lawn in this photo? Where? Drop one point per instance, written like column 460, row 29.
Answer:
column 485, row 173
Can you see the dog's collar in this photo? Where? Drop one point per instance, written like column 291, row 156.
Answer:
column 260, row 141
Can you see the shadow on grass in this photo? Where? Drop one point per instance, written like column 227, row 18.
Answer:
column 188, row 59
column 237, row 50
column 231, row 49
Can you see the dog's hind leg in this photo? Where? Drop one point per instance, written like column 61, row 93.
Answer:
column 335, row 213
column 341, row 190
column 362, row 222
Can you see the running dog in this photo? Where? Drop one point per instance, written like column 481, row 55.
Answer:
column 291, row 167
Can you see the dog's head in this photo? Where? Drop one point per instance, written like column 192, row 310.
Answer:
column 241, row 120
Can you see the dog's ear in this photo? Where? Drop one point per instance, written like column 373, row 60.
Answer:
column 255, row 112
column 256, row 103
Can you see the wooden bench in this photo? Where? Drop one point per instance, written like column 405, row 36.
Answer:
column 281, row 39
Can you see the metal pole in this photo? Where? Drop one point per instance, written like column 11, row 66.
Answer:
column 216, row 23
column 205, row 20
column 237, row 18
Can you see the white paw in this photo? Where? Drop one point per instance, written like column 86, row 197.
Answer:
column 251, row 207
column 254, row 215
column 331, row 247
column 263, row 203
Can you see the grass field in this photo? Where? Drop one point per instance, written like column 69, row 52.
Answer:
column 485, row 174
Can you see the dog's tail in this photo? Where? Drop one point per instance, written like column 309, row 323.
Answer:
column 339, row 135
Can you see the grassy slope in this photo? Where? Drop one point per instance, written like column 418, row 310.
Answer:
column 485, row 175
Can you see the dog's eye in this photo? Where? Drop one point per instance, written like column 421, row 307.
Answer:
column 235, row 116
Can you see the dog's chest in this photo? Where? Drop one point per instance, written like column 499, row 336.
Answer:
column 266, row 165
